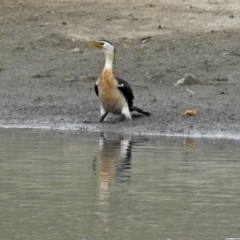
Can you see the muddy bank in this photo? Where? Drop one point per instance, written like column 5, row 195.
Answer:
column 48, row 70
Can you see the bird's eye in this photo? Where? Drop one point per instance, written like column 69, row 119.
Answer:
column 102, row 43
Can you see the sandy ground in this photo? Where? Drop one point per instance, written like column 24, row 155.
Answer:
column 48, row 70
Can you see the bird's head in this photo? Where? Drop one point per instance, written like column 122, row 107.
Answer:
column 105, row 45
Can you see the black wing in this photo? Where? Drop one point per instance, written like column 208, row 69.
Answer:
column 96, row 89
column 126, row 90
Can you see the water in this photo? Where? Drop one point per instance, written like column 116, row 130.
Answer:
column 66, row 185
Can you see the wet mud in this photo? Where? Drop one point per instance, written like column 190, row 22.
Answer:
column 48, row 70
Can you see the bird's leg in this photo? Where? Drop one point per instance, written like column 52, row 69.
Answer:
column 103, row 117
column 104, row 113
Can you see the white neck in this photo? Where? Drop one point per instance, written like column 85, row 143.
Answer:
column 109, row 56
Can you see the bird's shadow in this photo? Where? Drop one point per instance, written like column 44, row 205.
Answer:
column 114, row 120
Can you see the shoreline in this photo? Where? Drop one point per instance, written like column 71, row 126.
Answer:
column 93, row 128
column 48, row 70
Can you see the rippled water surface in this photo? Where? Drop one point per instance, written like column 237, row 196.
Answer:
column 75, row 185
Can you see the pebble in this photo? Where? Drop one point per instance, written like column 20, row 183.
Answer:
column 221, row 79
column 76, row 49
column 40, row 37
column 70, row 79
column 191, row 93
column 188, row 79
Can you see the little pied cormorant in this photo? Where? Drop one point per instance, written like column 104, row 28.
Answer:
column 115, row 94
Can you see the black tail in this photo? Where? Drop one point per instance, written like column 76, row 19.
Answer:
column 139, row 110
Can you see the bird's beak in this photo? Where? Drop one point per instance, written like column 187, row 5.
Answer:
column 96, row 44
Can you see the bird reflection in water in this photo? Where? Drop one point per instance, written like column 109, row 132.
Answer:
column 113, row 161
column 189, row 143
column 111, row 165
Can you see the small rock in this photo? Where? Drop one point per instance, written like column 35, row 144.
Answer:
column 221, row 79
column 36, row 75
column 145, row 39
column 40, row 37
column 44, row 24
column 189, row 113
column 76, row 49
column 44, row 75
column 72, row 78
column 19, row 47
column 90, row 77
column 188, row 79
column 231, row 16
column 191, row 93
